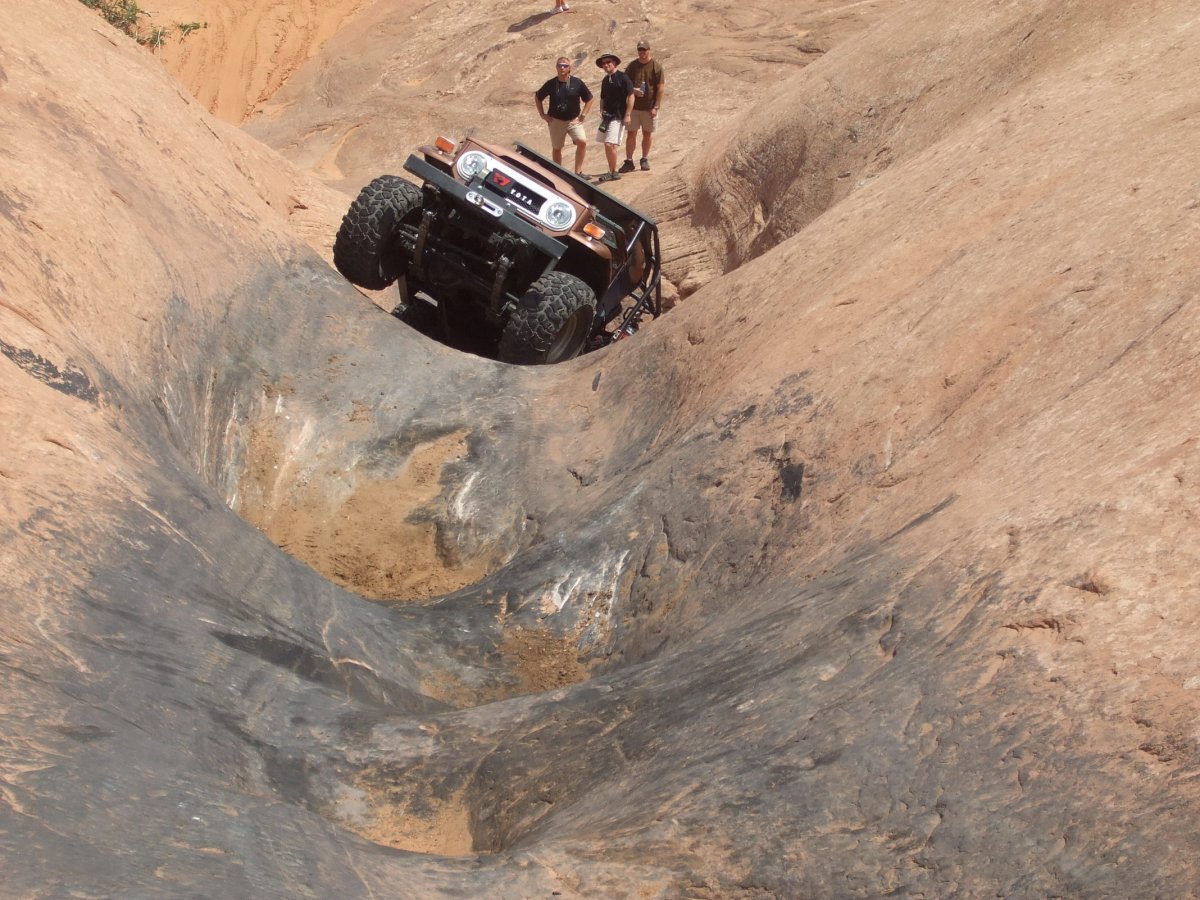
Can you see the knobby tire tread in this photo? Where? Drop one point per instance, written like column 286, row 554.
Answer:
column 363, row 250
column 544, row 310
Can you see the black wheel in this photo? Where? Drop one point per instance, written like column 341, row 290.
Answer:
column 551, row 323
column 364, row 251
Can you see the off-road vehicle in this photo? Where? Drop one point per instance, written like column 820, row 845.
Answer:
column 506, row 252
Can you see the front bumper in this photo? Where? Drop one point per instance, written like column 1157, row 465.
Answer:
column 488, row 206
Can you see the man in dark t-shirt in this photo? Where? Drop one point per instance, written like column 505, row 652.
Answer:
column 616, row 106
column 565, row 93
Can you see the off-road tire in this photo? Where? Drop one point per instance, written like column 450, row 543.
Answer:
column 551, row 323
column 365, row 248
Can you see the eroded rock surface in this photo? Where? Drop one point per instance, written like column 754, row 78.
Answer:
column 866, row 570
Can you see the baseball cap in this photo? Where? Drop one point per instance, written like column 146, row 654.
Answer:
column 643, row 45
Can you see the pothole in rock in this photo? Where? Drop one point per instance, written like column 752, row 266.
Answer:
column 355, row 527
column 428, row 805
column 376, row 811
column 375, row 531
column 365, row 514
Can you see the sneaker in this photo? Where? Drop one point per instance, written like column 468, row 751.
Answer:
column 645, row 165
column 609, row 176
column 626, row 166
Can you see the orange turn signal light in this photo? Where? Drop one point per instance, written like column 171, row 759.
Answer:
column 445, row 144
column 592, row 230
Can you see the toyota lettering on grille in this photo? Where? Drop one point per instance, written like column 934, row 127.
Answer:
column 515, row 192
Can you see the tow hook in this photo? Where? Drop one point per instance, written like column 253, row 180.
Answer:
column 477, row 199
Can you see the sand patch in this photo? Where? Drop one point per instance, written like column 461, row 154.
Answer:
column 368, row 539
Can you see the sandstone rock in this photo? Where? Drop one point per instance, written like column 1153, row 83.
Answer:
column 868, row 569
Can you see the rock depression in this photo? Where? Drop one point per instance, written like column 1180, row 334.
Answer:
column 868, row 569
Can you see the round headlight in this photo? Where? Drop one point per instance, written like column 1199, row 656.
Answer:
column 559, row 214
column 472, row 163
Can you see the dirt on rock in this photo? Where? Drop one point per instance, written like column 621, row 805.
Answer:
column 319, row 517
column 542, row 660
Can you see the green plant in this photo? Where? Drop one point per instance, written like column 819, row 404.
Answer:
column 155, row 38
column 126, row 15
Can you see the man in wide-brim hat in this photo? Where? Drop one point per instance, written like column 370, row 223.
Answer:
column 616, row 107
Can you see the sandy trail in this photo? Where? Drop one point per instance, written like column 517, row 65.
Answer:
column 243, row 52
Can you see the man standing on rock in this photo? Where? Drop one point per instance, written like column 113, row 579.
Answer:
column 646, row 73
column 616, row 107
column 565, row 92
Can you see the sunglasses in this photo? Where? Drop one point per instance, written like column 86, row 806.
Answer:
column 564, row 65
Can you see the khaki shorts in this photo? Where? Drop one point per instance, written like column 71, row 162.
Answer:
column 642, row 120
column 614, row 135
column 559, row 131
